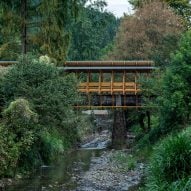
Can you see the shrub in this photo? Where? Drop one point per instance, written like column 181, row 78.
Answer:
column 17, row 134
column 51, row 144
column 9, row 153
column 21, row 121
column 170, row 165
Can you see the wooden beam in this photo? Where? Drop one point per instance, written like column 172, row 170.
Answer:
column 109, row 107
column 100, row 81
column 112, row 80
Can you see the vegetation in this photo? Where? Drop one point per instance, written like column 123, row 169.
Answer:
column 181, row 7
column 37, row 117
column 148, row 34
column 170, row 167
column 36, row 26
column 37, row 85
column 124, row 161
column 18, row 133
column 92, row 34
column 55, row 28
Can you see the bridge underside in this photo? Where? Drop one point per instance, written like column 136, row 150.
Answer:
column 95, row 101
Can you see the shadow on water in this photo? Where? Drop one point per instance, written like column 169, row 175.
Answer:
column 60, row 176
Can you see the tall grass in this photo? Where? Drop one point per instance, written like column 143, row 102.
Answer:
column 170, row 165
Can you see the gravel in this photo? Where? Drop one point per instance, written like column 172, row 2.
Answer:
column 104, row 175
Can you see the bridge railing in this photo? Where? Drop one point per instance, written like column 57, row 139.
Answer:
column 109, row 87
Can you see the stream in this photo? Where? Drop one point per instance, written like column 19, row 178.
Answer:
column 87, row 169
column 63, row 174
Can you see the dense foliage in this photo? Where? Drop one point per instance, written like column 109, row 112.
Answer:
column 92, row 34
column 42, row 31
column 148, row 34
column 18, row 133
column 50, row 127
column 54, row 28
column 181, row 7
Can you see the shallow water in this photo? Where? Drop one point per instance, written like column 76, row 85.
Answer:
column 61, row 175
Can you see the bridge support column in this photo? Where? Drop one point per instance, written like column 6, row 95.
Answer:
column 119, row 133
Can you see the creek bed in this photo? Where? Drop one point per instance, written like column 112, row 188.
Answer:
column 87, row 169
column 60, row 176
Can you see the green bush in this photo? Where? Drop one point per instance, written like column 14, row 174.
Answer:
column 17, row 135
column 21, row 121
column 170, row 165
column 51, row 144
column 9, row 153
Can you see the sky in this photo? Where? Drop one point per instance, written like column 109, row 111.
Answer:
column 118, row 7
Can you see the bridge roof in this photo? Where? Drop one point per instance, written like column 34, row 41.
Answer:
column 108, row 69
column 7, row 63
column 107, row 66
column 137, row 63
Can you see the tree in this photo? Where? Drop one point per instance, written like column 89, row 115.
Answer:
column 91, row 33
column 182, row 7
column 38, row 26
column 175, row 103
column 151, row 33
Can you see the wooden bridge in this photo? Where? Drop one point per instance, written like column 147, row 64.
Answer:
column 110, row 84
column 107, row 84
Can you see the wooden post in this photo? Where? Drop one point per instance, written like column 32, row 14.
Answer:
column 141, row 121
column 101, row 80
column 112, row 79
column 100, row 73
column 124, row 82
column 135, row 83
column 88, row 92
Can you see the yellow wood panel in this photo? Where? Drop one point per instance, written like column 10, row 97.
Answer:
column 109, row 87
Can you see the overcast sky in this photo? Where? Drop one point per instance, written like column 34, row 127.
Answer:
column 118, row 7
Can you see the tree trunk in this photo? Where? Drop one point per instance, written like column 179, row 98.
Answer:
column 24, row 26
column 119, row 133
column 148, row 120
column 141, row 121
